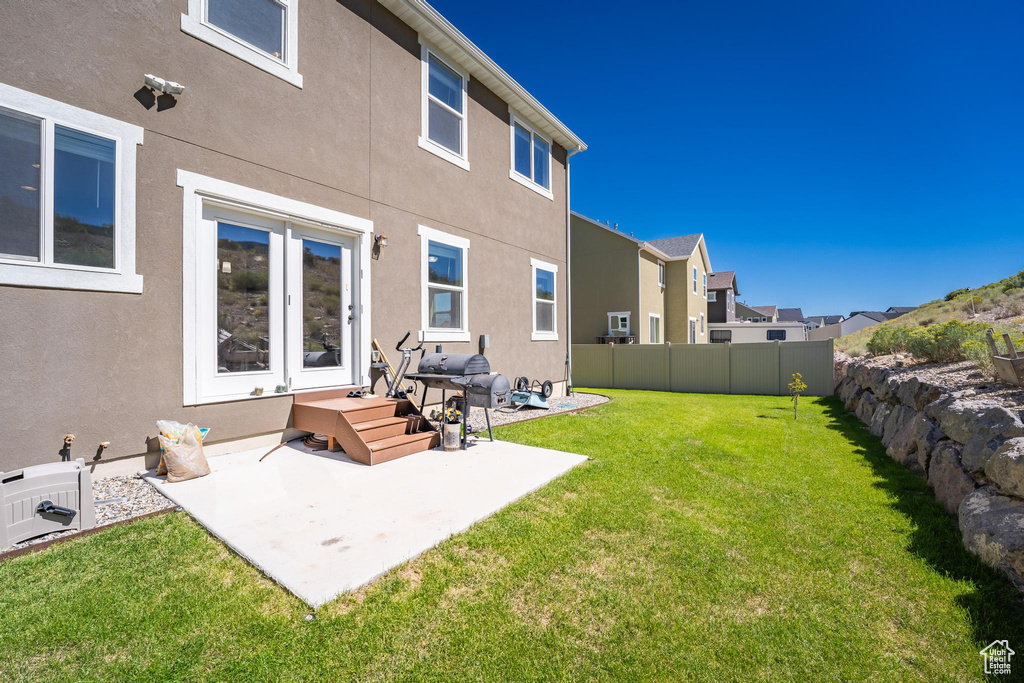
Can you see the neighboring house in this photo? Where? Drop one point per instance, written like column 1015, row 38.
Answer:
column 790, row 315
column 814, row 322
column 649, row 292
column 203, row 257
column 755, row 314
column 834, row 319
column 858, row 320
column 752, row 332
column 722, row 293
column 900, row 310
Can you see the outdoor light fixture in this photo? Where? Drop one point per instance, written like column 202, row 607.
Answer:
column 160, row 85
column 379, row 242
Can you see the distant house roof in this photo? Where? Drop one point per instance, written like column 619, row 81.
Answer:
column 877, row 316
column 833, row 319
column 817, row 319
column 769, row 311
column 677, row 247
column 900, row 310
column 787, row 315
column 723, row 280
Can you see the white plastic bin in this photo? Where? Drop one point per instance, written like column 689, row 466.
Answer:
column 23, row 494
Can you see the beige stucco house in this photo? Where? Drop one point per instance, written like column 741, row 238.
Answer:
column 649, row 292
column 207, row 208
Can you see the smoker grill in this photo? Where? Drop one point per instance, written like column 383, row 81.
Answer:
column 468, row 374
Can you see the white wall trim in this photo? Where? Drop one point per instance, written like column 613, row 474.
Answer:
column 629, row 321
column 661, row 334
column 536, row 335
column 287, row 69
column 460, row 160
column 198, row 189
column 44, row 273
column 426, row 334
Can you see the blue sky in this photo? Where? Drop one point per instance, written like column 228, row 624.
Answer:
column 838, row 155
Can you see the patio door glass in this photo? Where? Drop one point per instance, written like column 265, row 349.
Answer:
column 321, row 313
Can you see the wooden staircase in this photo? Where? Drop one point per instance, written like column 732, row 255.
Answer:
column 369, row 430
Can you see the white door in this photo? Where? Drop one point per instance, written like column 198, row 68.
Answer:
column 322, row 310
column 278, row 305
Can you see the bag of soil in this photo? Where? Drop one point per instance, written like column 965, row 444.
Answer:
column 184, row 456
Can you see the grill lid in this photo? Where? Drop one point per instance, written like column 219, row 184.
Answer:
column 454, row 364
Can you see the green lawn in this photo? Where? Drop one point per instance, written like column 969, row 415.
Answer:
column 710, row 537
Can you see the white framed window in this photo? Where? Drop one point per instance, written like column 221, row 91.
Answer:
column 702, row 324
column 654, row 320
column 618, row 323
column 712, row 296
column 693, row 330
column 444, row 286
column 67, row 196
column 695, row 279
column 531, row 156
column 543, row 293
column 263, row 33
column 276, row 294
column 705, row 276
column 443, row 124
column 661, row 274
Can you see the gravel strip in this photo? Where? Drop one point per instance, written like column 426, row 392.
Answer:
column 558, row 405
column 130, row 497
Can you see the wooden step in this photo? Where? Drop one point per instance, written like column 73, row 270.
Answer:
column 393, row 447
column 381, row 428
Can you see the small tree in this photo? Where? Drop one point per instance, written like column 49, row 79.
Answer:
column 797, row 387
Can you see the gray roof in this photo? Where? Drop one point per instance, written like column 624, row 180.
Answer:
column 833, row 319
column 790, row 315
column 723, row 280
column 820, row 319
column 900, row 310
column 877, row 316
column 676, row 247
column 769, row 311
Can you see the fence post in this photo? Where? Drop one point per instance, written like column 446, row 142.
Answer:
column 668, row 365
column 728, row 367
column 778, row 367
column 611, row 365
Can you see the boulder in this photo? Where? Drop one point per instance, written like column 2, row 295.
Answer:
column 878, row 418
column 1006, row 467
column 866, row 405
column 926, row 434
column 978, row 451
column 963, row 419
column 992, row 526
column 887, row 388
column 902, row 447
column 947, row 476
column 898, row 418
column 916, row 394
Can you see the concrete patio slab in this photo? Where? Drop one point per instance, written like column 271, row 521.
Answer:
column 321, row 525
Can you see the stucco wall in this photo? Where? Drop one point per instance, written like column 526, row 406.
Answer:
column 652, row 297
column 680, row 300
column 604, row 279
column 106, row 366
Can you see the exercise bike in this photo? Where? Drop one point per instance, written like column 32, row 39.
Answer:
column 395, row 388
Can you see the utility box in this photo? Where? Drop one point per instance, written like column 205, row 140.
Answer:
column 43, row 499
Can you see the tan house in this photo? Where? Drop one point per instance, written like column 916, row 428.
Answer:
column 207, row 209
column 756, row 314
column 647, row 292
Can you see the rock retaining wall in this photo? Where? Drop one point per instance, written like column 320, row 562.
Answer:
column 970, row 450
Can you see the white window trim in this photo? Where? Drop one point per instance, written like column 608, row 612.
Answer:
column 428, row 235
column 662, row 269
column 695, row 279
column 515, row 175
column 45, row 273
column 199, row 189
column 694, row 328
column 704, row 276
column 536, row 335
column 702, row 324
column 650, row 318
column 462, row 161
column 713, row 297
column 629, row 322
column 194, row 23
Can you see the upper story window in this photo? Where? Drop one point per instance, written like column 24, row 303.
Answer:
column 531, row 157
column 705, row 276
column 443, row 113
column 661, row 273
column 695, row 279
column 712, row 297
column 263, row 33
column 67, row 196
column 545, row 320
column 445, row 289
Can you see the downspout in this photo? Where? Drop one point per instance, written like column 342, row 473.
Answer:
column 568, row 276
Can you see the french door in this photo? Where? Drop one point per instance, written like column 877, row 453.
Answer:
column 276, row 305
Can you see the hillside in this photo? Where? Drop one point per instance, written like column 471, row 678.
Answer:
column 999, row 305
